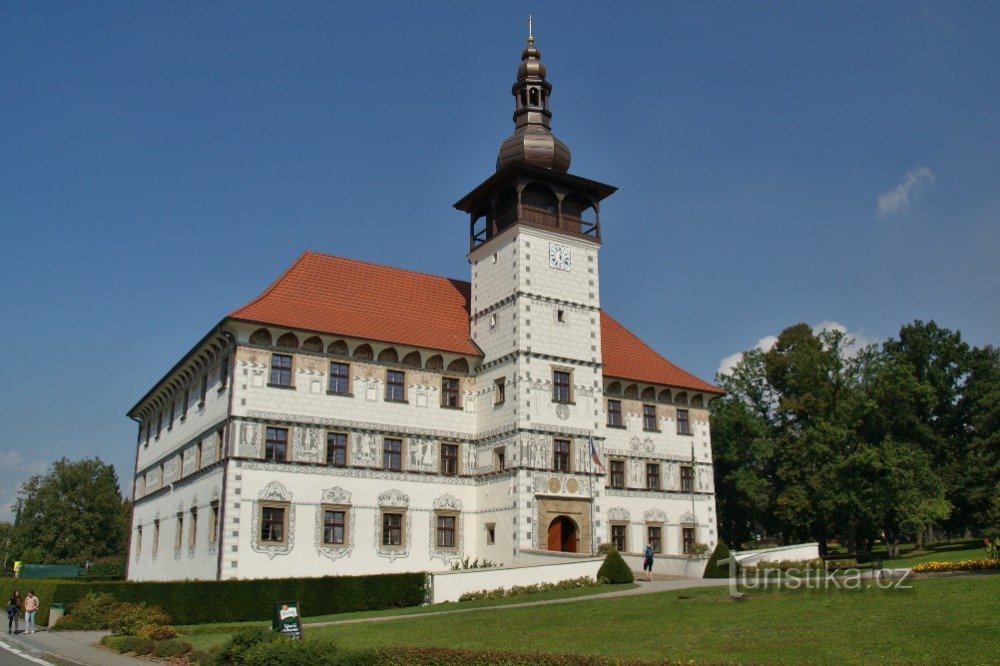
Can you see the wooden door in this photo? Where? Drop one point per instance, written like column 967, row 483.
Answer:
column 562, row 535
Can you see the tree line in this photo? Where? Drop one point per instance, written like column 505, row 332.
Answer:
column 816, row 440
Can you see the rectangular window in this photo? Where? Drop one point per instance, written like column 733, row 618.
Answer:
column 336, row 449
column 392, row 454
column 618, row 537
column 272, row 524
column 204, row 390
column 159, row 425
column 392, row 529
column 449, row 459
column 500, row 457
column 560, row 458
column 220, row 444
column 138, row 541
column 149, row 432
column 223, row 373
column 156, row 537
column 449, row 392
column 179, row 534
column 193, row 529
column 395, row 385
column 446, row 531
column 499, row 391
column 655, row 532
column 560, row 386
column 340, row 381
column 652, row 476
column 649, row 417
column 491, row 534
column 281, row 370
column 617, row 473
column 687, row 537
column 173, row 408
column 276, row 445
column 683, row 426
column 213, row 523
column 184, row 405
column 333, row 526
column 687, row 479
column 197, row 456
column 615, row 413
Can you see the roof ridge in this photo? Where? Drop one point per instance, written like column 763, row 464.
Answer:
column 378, row 265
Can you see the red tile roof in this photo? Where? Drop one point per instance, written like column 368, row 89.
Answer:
column 338, row 296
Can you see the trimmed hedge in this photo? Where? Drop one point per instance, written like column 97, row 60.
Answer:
column 614, row 570
column 43, row 587
column 196, row 602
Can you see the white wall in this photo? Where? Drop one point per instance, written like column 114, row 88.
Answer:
column 673, row 565
column 792, row 553
column 450, row 585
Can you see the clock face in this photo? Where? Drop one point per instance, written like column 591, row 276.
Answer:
column 559, row 257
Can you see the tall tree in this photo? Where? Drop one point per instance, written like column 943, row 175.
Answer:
column 72, row 514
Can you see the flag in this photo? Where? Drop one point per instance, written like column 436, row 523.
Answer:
column 593, row 453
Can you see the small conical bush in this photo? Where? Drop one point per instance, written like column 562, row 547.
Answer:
column 715, row 570
column 614, row 570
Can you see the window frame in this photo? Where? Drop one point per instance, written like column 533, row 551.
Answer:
column 500, row 458
column 623, row 526
column 401, row 528
column 270, row 444
column 687, row 478
column 612, row 472
column 337, row 377
column 447, row 469
column 612, row 412
column 657, row 543
column 562, row 461
column 179, row 534
column 213, row 522
column 156, row 537
column 687, row 546
column 391, row 383
column 453, row 393
column 499, row 391
column 649, row 418
column 558, row 387
column 491, row 534
column 265, row 507
column 387, row 452
column 654, row 478
column 193, row 528
column 336, row 446
column 290, row 370
column 684, row 424
column 224, row 373
column 335, row 509
column 440, row 516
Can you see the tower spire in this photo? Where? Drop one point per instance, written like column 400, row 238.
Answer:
column 532, row 141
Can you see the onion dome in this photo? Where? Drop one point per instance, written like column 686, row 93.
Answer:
column 533, row 141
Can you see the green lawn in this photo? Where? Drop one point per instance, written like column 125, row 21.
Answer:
column 943, row 552
column 939, row 620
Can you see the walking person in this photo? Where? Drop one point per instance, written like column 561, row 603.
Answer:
column 13, row 610
column 647, row 561
column 30, row 606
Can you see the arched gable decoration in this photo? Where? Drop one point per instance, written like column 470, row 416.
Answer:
column 435, row 362
column 288, row 341
column 632, row 391
column 313, row 344
column 337, row 347
column 261, row 336
column 665, row 396
column 649, row 393
column 364, row 353
column 412, row 359
column 388, row 355
column 458, row 365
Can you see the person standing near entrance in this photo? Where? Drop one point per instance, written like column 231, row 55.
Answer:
column 30, row 606
column 647, row 561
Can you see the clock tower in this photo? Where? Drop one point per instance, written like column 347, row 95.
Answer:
column 534, row 238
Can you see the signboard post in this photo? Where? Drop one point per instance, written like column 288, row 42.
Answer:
column 286, row 619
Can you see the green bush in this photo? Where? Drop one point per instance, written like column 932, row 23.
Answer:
column 123, row 644
column 518, row 590
column 196, row 602
column 129, row 619
column 171, row 648
column 715, row 570
column 242, row 641
column 156, row 632
column 93, row 612
column 110, row 567
column 614, row 570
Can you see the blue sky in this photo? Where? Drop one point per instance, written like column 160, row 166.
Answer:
column 161, row 163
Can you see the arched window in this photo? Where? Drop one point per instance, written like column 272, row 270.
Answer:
column 664, row 396
column 313, row 344
column 631, row 391
column 412, row 359
column 533, row 96
column 388, row 355
column 578, row 213
column 614, row 388
column 540, row 197
column 482, row 224
column 698, row 401
column 435, row 363
column 458, row 365
column 261, row 336
column 288, row 341
column 337, row 347
column 649, row 393
column 681, row 398
column 364, row 353
column 524, row 97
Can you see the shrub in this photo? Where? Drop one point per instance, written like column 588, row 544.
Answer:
column 156, row 632
column 110, row 567
column 242, row 641
column 93, row 611
column 614, row 570
column 715, row 570
column 290, row 652
column 980, row 564
column 171, row 648
column 129, row 619
column 518, row 590
column 123, row 644
column 474, row 564
column 605, row 547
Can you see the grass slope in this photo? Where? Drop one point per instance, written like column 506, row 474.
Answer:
column 948, row 620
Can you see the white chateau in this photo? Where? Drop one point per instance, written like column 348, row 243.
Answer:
column 358, row 418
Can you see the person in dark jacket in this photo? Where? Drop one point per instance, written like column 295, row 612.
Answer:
column 13, row 610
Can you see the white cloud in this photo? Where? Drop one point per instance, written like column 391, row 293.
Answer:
column 856, row 342
column 13, row 472
column 898, row 198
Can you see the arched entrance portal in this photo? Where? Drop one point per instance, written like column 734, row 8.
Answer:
column 562, row 535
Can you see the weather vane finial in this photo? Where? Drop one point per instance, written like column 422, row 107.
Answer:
column 531, row 36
